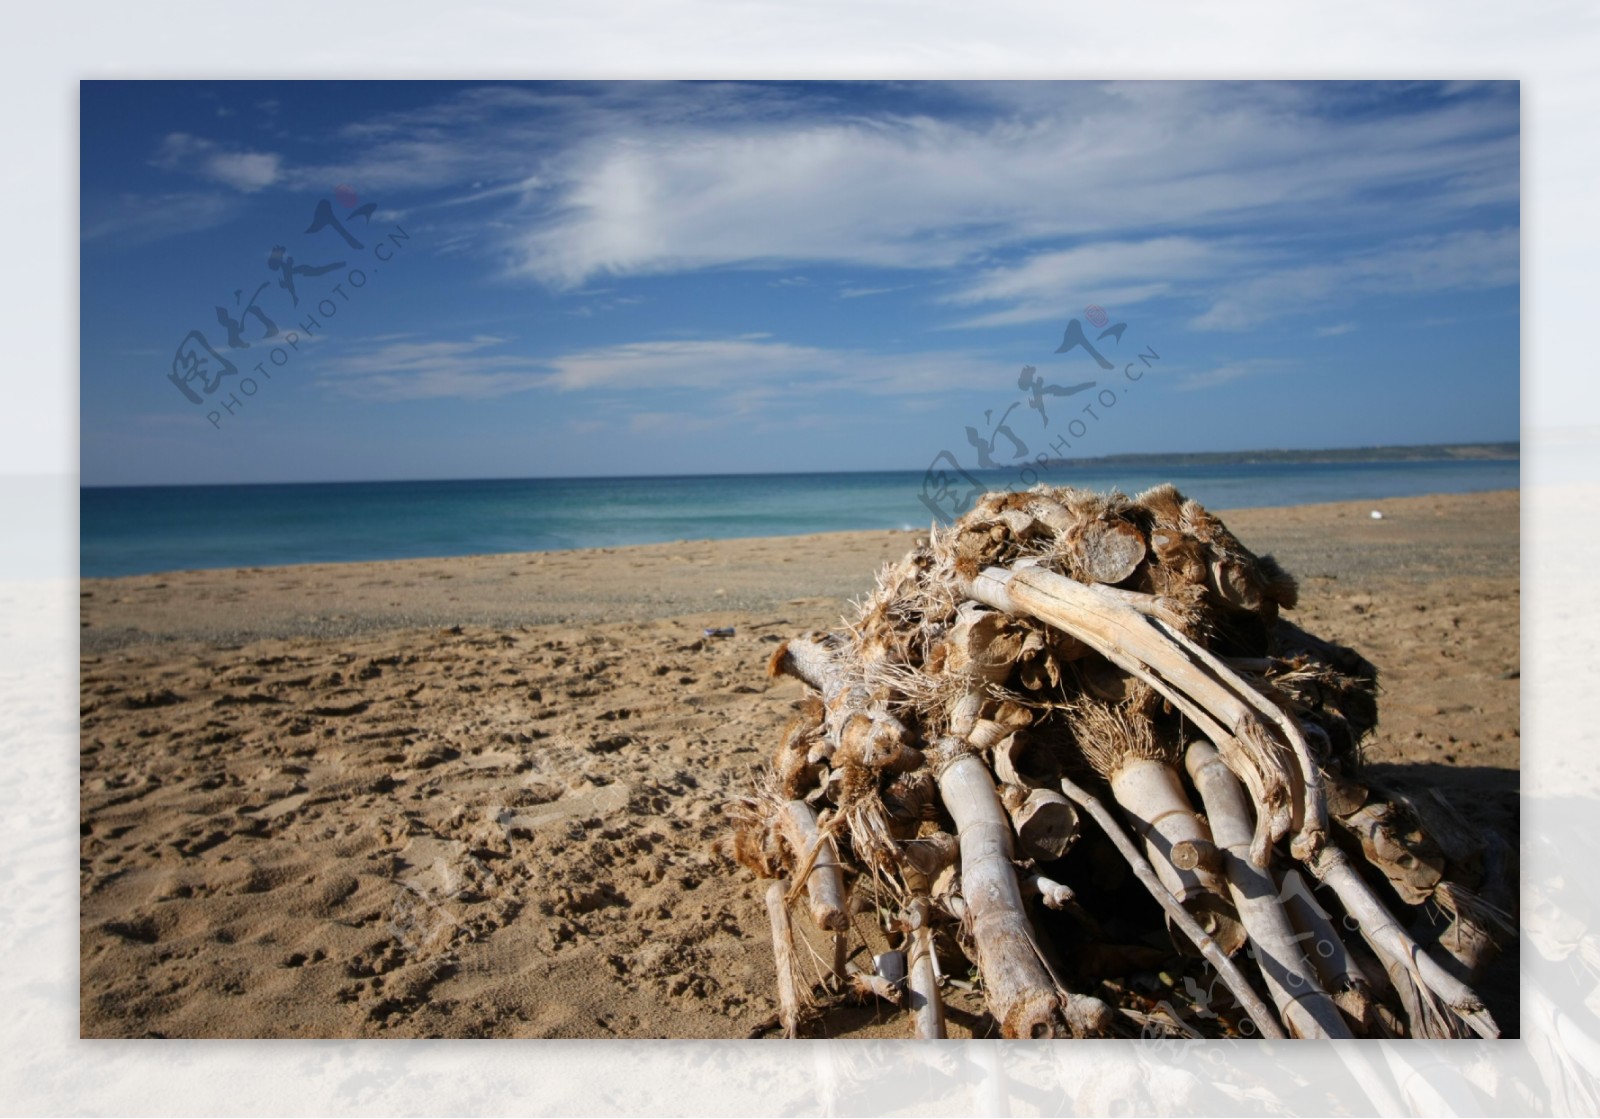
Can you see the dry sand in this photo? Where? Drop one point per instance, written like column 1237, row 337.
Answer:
column 478, row 797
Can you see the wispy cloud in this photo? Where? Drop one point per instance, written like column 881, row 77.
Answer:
column 495, row 141
column 1115, row 273
column 131, row 220
column 676, row 422
column 765, row 367
column 863, row 292
column 1464, row 260
column 1239, row 284
column 471, row 368
column 1232, row 371
column 746, row 370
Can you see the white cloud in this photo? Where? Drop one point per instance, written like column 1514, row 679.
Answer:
column 913, row 192
column 1045, row 194
column 632, row 179
column 244, row 171
column 1335, row 330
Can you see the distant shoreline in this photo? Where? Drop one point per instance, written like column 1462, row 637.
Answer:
column 1428, row 452
column 1424, row 452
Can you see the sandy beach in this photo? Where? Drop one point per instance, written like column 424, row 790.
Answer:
column 479, row 797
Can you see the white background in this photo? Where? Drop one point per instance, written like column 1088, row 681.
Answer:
column 1551, row 47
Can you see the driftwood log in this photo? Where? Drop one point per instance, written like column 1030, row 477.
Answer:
column 1057, row 655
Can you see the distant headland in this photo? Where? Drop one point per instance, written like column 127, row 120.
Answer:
column 1429, row 452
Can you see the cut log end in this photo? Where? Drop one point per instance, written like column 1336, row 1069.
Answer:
column 1110, row 551
column 1046, row 824
column 1196, row 854
column 1036, row 1015
column 1087, row 1016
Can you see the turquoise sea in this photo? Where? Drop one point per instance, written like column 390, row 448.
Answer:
column 142, row 529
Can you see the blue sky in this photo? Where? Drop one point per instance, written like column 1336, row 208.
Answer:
column 589, row 279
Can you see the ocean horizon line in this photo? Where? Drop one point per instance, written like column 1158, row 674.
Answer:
column 128, row 530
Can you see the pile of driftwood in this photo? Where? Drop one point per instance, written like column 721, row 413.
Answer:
column 1067, row 706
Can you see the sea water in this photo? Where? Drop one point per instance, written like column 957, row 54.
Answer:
column 143, row 529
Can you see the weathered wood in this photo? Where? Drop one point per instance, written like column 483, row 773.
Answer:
column 1109, row 551
column 784, row 957
column 983, row 646
column 801, row 758
column 1021, row 524
column 922, row 980
column 1020, row 992
column 1051, row 892
column 870, row 985
column 1340, row 973
column 1309, row 813
column 876, row 740
column 1121, row 634
column 811, row 662
column 1305, row 1007
column 1056, row 516
column 1429, row 982
column 862, row 730
column 1469, row 939
column 986, row 734
column 827, row 789
column 1260, row 1013
column 1345, row 797
column 1394, row 845
column 1099, row 546
column 1022, row 760
column 1178, row 844
column 1046, row 824
column 988, row 685
column 1309, row 817
column 929, row 854
column 1152, row 795
column 817, row 861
